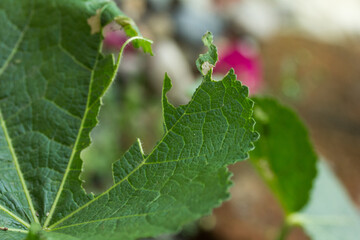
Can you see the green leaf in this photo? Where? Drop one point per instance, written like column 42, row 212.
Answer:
column 287, row 162
column 330, row 213
column 52, row 78
column 207, row 61
column 185, row 175
column 284, row 156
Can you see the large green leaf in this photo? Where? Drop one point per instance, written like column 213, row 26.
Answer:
column 284, row 155
column 52, row 78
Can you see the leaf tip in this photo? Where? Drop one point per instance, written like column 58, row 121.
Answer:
column 131, row 30
column 167, row 85
column 208, row 39
column 167, row 82
column 207, row 61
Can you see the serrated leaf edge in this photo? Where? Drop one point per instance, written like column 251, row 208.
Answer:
column 125, row 178
column 54, row 205
column 166, row 88
column 48, row 219
column 80, row 133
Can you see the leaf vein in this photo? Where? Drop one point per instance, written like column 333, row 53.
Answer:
column 17, row 166
column 17, row 44
column 87, row 109
column 103, row 220
column 16, row 230
column 73, row 57
column 2, row 208
column 125, row 178
column 63, row 109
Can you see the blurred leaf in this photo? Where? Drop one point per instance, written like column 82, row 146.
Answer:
column 284, row 155
column 286, row 160
column 330, row 214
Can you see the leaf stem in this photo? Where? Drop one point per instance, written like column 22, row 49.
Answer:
column 127, row 43
column 284, row 231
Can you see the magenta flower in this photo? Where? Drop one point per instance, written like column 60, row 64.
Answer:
column 244, row 59
column 114, row 39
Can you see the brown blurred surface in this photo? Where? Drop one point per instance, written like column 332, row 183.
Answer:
column 251, row 208
column 252, row 212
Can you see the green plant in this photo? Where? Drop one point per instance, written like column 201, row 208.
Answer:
column 52, row 78
column 52, row 81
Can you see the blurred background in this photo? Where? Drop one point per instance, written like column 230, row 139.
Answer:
column 304, row 53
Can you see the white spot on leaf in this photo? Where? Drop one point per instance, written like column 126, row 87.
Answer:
column 206, row 66
column 94, row 22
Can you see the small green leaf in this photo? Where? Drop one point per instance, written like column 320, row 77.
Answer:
column 284, row 155
column 131, row 30
column 207, row 61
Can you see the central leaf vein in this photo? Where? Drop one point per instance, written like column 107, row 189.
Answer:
column 75, row 148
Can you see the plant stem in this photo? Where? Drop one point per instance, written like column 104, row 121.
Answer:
column 285, row 229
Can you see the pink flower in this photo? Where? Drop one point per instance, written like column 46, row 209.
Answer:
column 114, row 39
column 244, row 59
